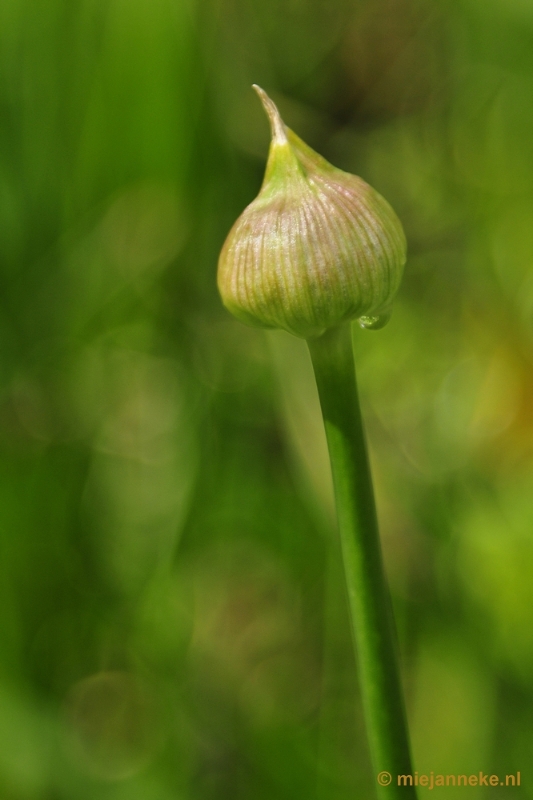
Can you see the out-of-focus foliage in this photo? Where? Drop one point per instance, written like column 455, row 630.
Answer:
column 173, row 622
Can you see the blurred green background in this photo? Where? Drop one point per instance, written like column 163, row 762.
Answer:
column 173, row 621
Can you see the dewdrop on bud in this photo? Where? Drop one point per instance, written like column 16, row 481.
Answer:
column 317, row 247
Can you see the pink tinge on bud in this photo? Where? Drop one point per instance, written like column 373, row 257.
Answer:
column 316, row 248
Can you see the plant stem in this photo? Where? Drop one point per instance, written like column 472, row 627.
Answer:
column 369, row 602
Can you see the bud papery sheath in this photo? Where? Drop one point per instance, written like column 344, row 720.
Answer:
column 317, row 247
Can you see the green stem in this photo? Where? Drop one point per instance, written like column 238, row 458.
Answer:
column 368, row 597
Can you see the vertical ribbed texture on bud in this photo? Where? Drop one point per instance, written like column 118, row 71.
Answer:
column 317, row 247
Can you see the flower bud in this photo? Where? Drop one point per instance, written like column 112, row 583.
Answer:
column 317, row 247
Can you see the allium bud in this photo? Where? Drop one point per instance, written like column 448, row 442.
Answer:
column 317, row 247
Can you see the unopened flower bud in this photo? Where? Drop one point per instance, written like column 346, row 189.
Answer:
column 317, row 247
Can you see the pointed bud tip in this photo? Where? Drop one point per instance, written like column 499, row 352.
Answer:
column 279, row 133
